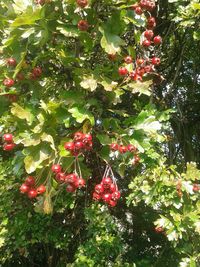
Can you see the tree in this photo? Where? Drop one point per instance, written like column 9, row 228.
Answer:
column 88, row 110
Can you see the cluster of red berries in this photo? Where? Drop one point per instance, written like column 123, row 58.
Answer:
column 143, row 5
column 106, row 191
column 35, row 73
column 124, row 149
column 72, row 180
column 143, row 66
column 83, row 25
column 29, row 188
column 81, row 142
column 8, row 142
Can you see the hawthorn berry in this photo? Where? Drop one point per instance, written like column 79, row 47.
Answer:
column 116, row 195
column 151, row 22
column 140, row 61
column 41, row 189
column 146, row 43
column 37, row 72
column 69, row 146
column 114, row 147
column 32, row 193
column 8, row 147
column 155, row 61
column 128, row 60
column 96, row 196
column 11, row 62
column 8, row 138
column 70, row 188
column 30, row 181
column 82, row 3
column 148, row 34
column 112, row 203
column 78, row 145
column 111, row 57
column 131, row 148
column 99, row 188
column 106, row 182
column 56, row 168
column 83, row 25
column 78, row 136
column 80, row 182
column 138, row 10
column 157, row 40
column 106, row 197
column 8, row 82
column 24, row 188
column 122, row 149
column 122, row 71
column 196, row 187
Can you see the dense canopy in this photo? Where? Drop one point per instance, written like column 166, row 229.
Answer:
column 100, row 133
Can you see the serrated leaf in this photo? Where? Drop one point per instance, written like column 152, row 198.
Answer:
column 22, row 113
column 89, row 82
column 81, row 114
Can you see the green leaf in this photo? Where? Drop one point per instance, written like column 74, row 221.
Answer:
column 110, row 42
column 29, row 17
column 22, row 113
column 81, row 113
column 89, row 82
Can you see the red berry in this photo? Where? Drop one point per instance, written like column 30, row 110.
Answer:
column 151, row 22
column 155, row 61
column 40, row 2
column 157, row 40
column 70, row 188
column 78, row 145
column 83, row 25
column 61, row 177
column 71, row 178
column 112, row 203
column 82, row 3
column 122, row 71
column 137, row 77
column 140, row 61
column 80, row 182
column 41, row 189
column 99, row 189
column 37, row 72
column 32, row 193
column 114, row 147
column 131, row 148
column 56, row 168
column 11, row 62
column 132, row 75
column 24, row 188
column 148, row 68
column 151, row 6
column 138, row 10
column 9, row 147
column 122, row 149
column 116, row 195
column 88, row 145
column 196, row 187
column 87, row 137
column 30, row 181
column 106, row 197
column 8, row 82
column 96, row 196
column 143, row 3
column 149, row 34
column 8, row 138
column 128, row 59
column 78, row 136
column 69, row 146
column 140, row 72
column 106, row 182
column 146, row 43
column 112, row 188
